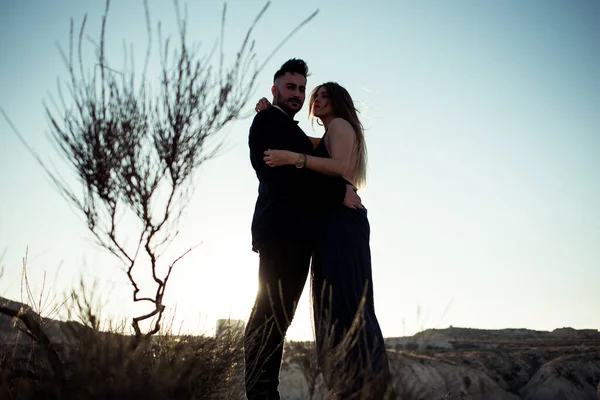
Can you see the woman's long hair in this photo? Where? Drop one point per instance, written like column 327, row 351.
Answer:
column 343, row 107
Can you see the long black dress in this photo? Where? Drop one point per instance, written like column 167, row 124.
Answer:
column 350, row 345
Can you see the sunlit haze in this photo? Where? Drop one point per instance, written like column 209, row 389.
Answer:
column 483, row 130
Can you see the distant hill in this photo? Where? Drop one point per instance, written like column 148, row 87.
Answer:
column 457, row 333
column 9, row 331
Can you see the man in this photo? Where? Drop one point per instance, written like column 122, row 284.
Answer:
column 289, row 199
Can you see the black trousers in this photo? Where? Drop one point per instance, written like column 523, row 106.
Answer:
column 350, row 345
column 283, row 269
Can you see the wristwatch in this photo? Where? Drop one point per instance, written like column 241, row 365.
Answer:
column 301, row 160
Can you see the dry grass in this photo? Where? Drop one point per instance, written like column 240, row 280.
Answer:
column 109, row 365
column 42, row 358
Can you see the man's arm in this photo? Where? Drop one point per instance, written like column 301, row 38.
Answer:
column 288, row 181
column 341, row 141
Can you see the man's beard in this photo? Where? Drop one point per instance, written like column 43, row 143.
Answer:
column 283, row 104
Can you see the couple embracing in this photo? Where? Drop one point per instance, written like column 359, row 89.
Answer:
column 308, row 208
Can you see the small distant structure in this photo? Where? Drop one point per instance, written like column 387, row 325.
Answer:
column 234, row 327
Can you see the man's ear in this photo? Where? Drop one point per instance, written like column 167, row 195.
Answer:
column 273, row 90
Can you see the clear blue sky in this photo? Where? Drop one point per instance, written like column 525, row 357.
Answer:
column 483, row 131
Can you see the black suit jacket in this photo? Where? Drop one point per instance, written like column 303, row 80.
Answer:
column 289, row 198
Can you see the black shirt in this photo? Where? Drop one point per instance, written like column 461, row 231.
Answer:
column 289, row 198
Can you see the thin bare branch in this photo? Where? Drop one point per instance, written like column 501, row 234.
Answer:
column 134, row 154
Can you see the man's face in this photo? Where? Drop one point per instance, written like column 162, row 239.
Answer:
column 289, row 92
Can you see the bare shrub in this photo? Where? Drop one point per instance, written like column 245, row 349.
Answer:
column 135, row 153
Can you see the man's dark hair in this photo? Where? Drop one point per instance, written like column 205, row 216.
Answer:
column 294, row 65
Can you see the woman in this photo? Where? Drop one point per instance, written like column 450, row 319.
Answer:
column 350, row 345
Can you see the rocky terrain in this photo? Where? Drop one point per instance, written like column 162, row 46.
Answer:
column 11, row 334
column 452, row 363
column 507, row 364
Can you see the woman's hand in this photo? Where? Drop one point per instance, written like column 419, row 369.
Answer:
column 276, row 158
column 262, row 104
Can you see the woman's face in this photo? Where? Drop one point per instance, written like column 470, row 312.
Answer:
column 322, row 106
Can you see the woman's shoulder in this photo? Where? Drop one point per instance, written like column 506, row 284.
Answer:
column 339, row 125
